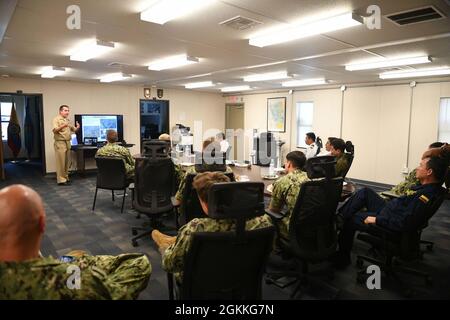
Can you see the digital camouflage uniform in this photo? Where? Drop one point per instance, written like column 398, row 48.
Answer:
column 114, row 150
column 285, row 192
column 173, row 256
column 102, row 277
column 404, row 187
column 182, row 186
column 341, row 165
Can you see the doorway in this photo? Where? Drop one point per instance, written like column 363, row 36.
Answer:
column 154, row 119
column 22, row 148
column 234, row 119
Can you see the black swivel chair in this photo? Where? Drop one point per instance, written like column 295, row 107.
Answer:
column 312, row 226
column 404, row 245
column 190, row 206
column 154, row 186
column 351, row 186
column 111, row 176
column 228, row 265
column 155, row 148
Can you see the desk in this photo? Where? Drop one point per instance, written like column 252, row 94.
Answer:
column 82, row 152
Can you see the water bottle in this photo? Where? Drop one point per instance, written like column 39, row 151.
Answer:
column 272, row 168
column 187, row 153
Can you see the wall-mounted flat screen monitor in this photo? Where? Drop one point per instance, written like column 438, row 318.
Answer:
column 96, row 126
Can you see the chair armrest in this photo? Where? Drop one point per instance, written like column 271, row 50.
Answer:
column 175, row 203
column 390, row 194
column 275, row 215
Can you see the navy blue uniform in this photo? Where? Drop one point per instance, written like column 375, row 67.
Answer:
column 395, row 215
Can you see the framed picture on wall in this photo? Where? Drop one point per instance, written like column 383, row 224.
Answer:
column 276, row 114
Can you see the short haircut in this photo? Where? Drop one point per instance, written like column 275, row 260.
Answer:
column 311, row 135
column 338, row 144
column 439, row 166
column 297, row 158
column 435, row 145
column 204, row 181
column 62, row 107
column 164, row 137
column 330, row 139
column 111, row 136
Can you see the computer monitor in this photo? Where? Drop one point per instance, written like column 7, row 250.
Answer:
column 97, row 125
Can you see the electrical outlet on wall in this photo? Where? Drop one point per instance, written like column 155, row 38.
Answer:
column 405, row 170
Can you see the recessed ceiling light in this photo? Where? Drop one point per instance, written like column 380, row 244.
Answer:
column 203, row 84
column 235, row 88
column 267, row 76
column 294, row 32
column 305, row 82
column 172, row 62
column 415, row 73
column 115, row 77
column 165, row 10
column 51, row 72
column 92, row 49
column 388, row 63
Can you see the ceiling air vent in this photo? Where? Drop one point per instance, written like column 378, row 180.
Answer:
column 425, row 14
column 240, row 23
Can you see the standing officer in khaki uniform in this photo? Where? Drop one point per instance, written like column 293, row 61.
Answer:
column 62, row 130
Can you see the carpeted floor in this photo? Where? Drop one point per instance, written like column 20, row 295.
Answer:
column 71, row 224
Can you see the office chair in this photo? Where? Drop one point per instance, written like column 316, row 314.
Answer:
column 350, row 186
column 155, row 148
column 111, row 176
column 228, row 265
column 312, row 226
column 394, row 246
column 154, row 186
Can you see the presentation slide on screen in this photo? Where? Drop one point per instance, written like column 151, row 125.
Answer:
column 96, row 126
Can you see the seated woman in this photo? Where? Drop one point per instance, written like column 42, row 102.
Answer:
column 314, row 145
column 337, row 149
column 174, row 249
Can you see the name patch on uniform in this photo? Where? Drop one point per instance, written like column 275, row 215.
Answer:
column 424, row 199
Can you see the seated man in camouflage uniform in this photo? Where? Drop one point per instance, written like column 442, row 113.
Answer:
column 24, row 274
column 208, row 146
column 174, row 249
column 405, row 187
column 112, row 149
column 286, row 190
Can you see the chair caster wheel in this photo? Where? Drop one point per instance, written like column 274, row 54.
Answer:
column 134, row 232
column 134, row 243
column 359, row 263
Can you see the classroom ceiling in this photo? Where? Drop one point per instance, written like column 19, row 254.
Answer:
column 36, row 36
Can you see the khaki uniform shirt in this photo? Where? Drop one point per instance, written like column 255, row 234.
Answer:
column 64, row 134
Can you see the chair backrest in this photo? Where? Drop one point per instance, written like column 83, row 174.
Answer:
column 229, row 265
column 312, row 227
column 155, row 148
column 350, row 155
column 218, row 267
column 154, row 185
column 190, row 205
column 111, row 173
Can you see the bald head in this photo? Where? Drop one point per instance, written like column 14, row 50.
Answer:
column 22, row 223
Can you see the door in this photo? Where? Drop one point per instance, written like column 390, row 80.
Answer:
column 235, row 121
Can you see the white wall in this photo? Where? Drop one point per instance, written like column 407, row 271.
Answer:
column 375, row 119
column 185, row 106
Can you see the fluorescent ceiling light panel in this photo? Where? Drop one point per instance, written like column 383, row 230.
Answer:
column 295, row 32
column 115, row 77
column 51, row 72
column 267, row 76
column 172, row 62
column 415, row 73
column 204, row 84
column 388, row 63
column 236, row 88
column 305, row 82
column 165, row 10
column 91, row 50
